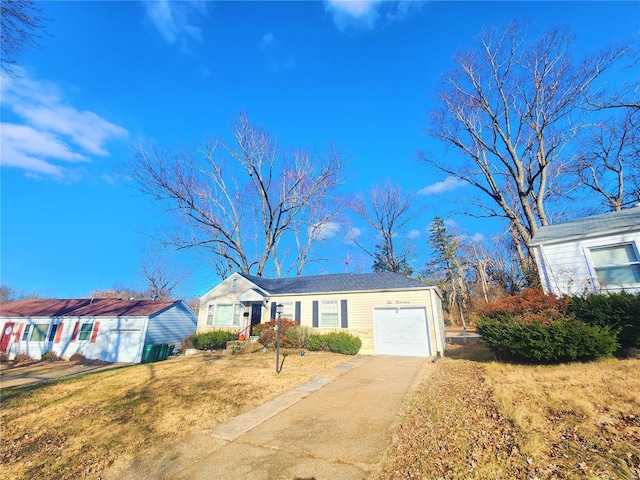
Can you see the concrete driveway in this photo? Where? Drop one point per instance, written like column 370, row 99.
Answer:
column 334, row 427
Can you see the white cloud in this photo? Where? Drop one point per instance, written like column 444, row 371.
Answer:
column 353, row 233
column 267, row 39
column 325, row 231
column 413, row 234
column 475, row 238
column 447, row 185
column 367, row 13
column 176, row 21
column 49, row 131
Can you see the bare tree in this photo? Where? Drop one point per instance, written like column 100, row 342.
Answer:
column 237, row 200
column 608, row 162
column 118, row 290
column 388, row 212
column 160, row 277
column 9, row 294
column 22, row 22
column 510, row 108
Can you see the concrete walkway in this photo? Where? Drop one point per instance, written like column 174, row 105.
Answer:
column 331, row 428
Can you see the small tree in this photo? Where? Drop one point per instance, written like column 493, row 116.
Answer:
column 447, row 266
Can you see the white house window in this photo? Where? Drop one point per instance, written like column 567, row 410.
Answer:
column 85, row 331
column 39, row 333
column 27, row 329
column 234, row 283
column 287, row 310
column 329, row 313
column 225, row 314
column 210, row 310
column 616, row 265
column 52, row 333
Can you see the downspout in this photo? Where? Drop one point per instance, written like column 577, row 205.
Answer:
column 436, row 324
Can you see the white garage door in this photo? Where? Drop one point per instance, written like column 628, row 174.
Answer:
column 401, row 331
column 124, row 345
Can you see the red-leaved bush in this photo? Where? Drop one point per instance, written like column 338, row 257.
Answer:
column 528, row 306
column 268, row 332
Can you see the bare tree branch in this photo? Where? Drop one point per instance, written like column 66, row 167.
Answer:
column 238, row 200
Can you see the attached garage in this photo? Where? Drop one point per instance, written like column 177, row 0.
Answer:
column 391, row 314
column 401, row 331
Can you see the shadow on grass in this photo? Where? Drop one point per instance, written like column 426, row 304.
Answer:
column 19, row 391
column 475, row 352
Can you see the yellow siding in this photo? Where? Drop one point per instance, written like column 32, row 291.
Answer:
column 223, row 293
column 360, row 309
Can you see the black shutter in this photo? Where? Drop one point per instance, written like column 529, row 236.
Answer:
column 273, row 311
column 297, row 313
column 344, row 322
column 315, row 313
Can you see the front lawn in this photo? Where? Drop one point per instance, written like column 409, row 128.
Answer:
column 473, row 418
column 77, row 427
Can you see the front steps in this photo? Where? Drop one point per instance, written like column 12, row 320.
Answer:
column 251, row 345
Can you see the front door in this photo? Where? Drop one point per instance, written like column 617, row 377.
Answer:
column 6, row 336
column 256, row 314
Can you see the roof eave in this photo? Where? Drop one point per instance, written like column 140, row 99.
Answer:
column 572, row 238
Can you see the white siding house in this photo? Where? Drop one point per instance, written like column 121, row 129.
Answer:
column 111, row 330
column 595, row 254
column 392, row 314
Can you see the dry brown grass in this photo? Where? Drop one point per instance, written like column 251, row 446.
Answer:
column 576, row 420
column 473, row 418
column 75, row 428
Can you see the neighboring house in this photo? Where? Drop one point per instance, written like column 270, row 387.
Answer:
column 106, row 329
column 391, row 313
column 595, row 254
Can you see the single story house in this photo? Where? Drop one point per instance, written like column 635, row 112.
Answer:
column 392, row 314
column 594, row 254
column 106, row 329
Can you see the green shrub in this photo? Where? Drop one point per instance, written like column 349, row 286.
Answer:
column 557, row 341
column 50, row 356
column 268, row 333
column 620, row 311
column 337, row 342
column 213, row 340
column 317, row 342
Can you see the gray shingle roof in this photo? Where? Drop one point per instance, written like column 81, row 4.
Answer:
column 337, row 283
column 612, row 222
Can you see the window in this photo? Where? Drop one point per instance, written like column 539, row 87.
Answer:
column 39, row 333
column 616, row 265
column 52, row 333
column 27, row 329
column 85, row 331
column 234, row 283
column 329, row 313
column 287, row 310
column 210, row 310
column 225, row 315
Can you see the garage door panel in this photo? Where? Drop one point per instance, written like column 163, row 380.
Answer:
column 401, row 331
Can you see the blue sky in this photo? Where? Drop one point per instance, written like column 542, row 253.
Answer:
column 108, row 74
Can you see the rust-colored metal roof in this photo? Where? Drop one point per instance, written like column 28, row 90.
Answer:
column 84, row 307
